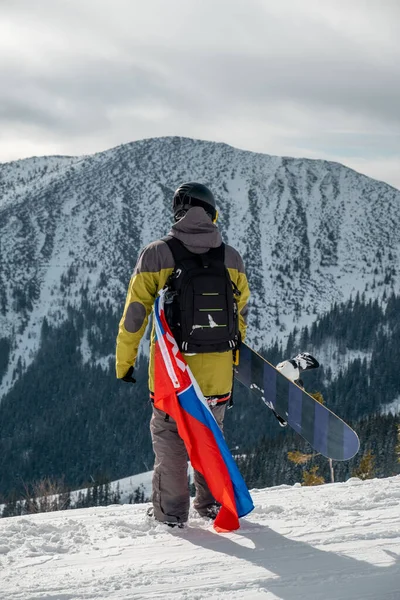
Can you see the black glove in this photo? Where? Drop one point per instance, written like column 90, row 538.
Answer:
column 128, row 376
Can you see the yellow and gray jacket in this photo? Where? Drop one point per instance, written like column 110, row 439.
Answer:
column 213, row 371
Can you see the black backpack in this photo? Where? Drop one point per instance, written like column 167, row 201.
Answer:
column 200, row 301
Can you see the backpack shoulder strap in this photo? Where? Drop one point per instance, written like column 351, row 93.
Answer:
column 179, row 252
column 217, row 253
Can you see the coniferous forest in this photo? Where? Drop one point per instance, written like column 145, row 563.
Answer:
column 81, row 424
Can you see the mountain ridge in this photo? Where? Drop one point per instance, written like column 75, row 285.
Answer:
column 199, row 140
column 311, row 232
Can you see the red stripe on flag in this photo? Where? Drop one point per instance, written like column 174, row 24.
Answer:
column 172, row 378
column 206, row 458
column 201, row 447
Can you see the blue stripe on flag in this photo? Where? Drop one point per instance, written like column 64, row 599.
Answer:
column 157, row 315
column 191, row 403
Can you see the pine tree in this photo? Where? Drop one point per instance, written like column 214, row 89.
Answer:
column 318, row 397
column 13, row 507
column 137, row 496
column 366, row 469
column 311, row 478
column 116, row 495
column 299, row 458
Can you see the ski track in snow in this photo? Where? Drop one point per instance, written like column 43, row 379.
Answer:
column 334, row 542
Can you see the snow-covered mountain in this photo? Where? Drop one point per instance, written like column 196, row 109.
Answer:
column 311, row 233
column 334, row 542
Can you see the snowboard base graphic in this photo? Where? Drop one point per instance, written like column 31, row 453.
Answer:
column 321, row 428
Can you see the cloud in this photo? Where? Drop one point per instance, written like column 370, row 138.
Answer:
column 283, row 78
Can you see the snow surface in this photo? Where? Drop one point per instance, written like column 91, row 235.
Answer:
column 334, row 542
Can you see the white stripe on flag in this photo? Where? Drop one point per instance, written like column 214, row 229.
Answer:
column 163, row 347
column 175, row 350
column 199, row 393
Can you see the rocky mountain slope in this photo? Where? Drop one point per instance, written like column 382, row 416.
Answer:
column 311, row 233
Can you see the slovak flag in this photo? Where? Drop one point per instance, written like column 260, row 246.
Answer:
column 178, row 394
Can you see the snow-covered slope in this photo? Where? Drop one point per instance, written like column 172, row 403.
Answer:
column 126, row 487
column 311, row 232
column 335, row 542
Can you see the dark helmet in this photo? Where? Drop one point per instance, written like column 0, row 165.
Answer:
column 193, row 194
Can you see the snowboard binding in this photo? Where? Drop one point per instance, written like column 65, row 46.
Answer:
column 292, row 369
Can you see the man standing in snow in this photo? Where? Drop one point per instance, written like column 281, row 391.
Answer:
column 195, row 244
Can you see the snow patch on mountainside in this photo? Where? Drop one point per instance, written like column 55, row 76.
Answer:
column 31, row 174
column 392, row 409
column 126, row 487
column 337, row 359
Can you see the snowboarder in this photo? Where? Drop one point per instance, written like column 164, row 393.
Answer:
column 193, row 245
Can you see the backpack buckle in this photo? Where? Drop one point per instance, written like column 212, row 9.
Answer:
column 169, row 296
column 236, row 291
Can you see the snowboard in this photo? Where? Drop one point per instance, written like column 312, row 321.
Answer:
column 327, row 433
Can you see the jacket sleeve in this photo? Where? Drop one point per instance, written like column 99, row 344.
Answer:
column 235, row 266
column 142, row 292
column 244, row 290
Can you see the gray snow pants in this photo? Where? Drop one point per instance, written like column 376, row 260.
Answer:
column 170, row 479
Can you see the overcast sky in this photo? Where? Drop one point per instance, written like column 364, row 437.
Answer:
column 312, row 78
